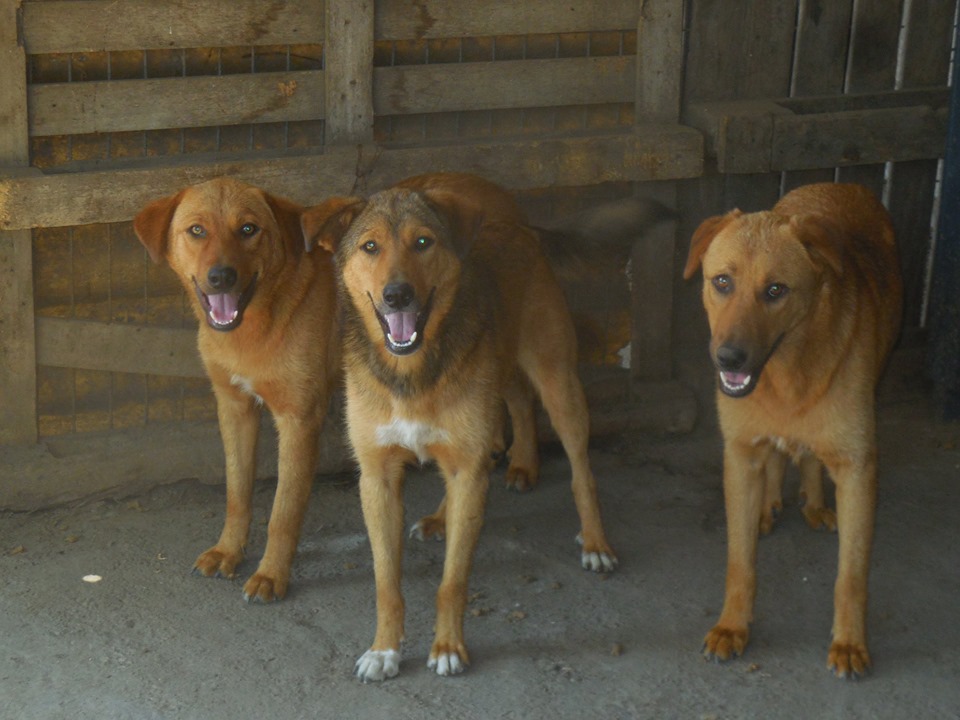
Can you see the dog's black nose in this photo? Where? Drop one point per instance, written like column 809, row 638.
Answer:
column 730, row 357
column 222, row 277
column 398, row 295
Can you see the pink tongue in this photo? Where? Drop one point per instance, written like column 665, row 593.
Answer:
column 223, row 307
column 402, row 326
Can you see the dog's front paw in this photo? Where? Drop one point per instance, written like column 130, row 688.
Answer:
column 428, row 527
column 848, row 660
column 217, row 563
column 448, row 661
column 597, row 557
column 264, row 588
column 378, row 665
column 722, row 643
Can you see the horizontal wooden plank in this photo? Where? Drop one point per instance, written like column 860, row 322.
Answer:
column 504, row 84
column 409, row 19
column 858, row 138
column 121, row 105
column 806, row 133
column 116, row 347
column 60, row 26
column 93, row 25
column 657, row 152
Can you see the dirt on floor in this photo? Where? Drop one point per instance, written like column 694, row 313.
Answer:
column 547, row 639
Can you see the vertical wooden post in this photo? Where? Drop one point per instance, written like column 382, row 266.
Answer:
column 659, row 73
column 348, row 72
column 18, row 371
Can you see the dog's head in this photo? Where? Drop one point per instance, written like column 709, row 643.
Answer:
column 398, row 256
column 763, row 274
column 224, row 239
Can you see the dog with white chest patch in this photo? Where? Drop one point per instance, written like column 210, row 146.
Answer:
column 450, row 308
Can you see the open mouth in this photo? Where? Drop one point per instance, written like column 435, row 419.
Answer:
column 224, row 311
column 737, row 384
column 403, row 329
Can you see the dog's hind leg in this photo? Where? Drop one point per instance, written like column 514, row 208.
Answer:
column 566, row 405
column 523, row 472
column 298, row 436
column 814, row 509
column 239, row 420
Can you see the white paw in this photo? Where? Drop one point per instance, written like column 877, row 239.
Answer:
column 417, row 532
column 378, row 665
column 597, row 561
column 447, row 664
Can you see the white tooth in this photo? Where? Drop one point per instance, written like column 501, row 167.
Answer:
column 413, row 338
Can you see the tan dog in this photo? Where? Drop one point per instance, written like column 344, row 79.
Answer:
column 268, row 336
column 804, row 306
column 444, row 317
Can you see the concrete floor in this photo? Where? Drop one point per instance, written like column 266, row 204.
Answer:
column 547, row 640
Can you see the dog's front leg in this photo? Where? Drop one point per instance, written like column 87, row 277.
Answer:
column 239, row 421
column 467, row 480
column 298, row 436
column 856, row 480
column 743, row 490
column 381, row 498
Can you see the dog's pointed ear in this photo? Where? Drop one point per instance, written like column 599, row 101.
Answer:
column 819, row 235
column 703, row 236
column 326, row 224
column 152, row 225
column 288, row 216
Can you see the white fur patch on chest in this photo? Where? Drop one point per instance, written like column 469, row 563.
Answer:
column 788, row 447
column 246, row 385
column 412, row 435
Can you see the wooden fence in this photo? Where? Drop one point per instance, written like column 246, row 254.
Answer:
column 705, row 104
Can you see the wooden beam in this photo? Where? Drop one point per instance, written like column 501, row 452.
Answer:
column 504, row 84
column 63, row 26
column 659, row 67
column 414, row 19
column 647, row 153
column 117, row 347
column 348, row 59
column 18, row 372
column 122, row 105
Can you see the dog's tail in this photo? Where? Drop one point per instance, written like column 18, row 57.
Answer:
column 595, row 240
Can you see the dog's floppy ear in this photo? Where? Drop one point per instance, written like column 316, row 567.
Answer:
column 819, row 234
column 152, row 225
column 287, row 215
column 703, row 236
column 326, row 224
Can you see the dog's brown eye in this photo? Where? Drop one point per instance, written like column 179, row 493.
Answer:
column 776, row 291
column 723, row 284
column 422, row 243
column 248, row 230
column 197, row 231
column 370, row 247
